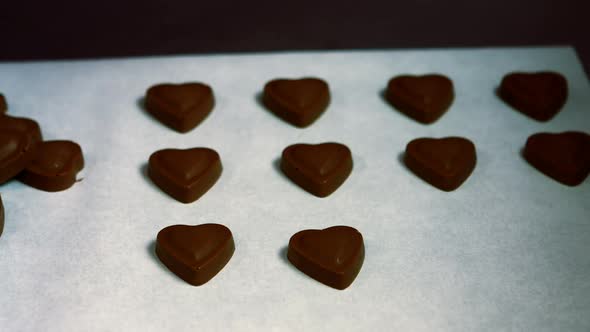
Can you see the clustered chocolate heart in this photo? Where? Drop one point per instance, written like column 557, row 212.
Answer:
column 45, row 165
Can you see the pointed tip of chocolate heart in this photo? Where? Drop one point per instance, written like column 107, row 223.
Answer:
column 181, row 107
column 187, row 174
column 333, row 256
column 195, row 253
column 297, row 101
column 320, row 169
column 424, row 98
column 564, row 157
column 445, row 162
column 538, row 95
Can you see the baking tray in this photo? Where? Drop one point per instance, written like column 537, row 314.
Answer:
column 508, row 250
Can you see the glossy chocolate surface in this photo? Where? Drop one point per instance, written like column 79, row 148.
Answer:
column 195, row 253
column 538, row 95
column 320, row 169
column 54, row 167
column 444, row 163
column 29, row 127
column 297, row 101
column 333, row 256
column 180, row 106
column 18, row 143
column 185, row 174
column 3, row 104
column 564, row 157
column 424, row 98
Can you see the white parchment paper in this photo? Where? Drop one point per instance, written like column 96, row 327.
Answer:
column 508, row 250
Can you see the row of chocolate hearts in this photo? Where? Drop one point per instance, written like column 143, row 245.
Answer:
column 320, row 169
column 333, row 256
column 301, row 101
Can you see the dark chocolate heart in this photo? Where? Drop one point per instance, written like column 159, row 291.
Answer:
column 423, row 98
column 195, row 253
column 17, row 149
column 539, row 95
column 444, row 163
column 180, row 106
column 564, row 157
column 185, row 174
column 54, row 167
column 320, row 169
column 297, row 101
column 333, row 256
column 29, row 127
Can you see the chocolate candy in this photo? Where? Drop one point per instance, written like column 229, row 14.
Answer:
column 18, row 141
column 185, row 174
column 180, row 106
column 195, row 253
column 16, row 151
column 564, row 157
column 538, row 95
column 423, row 98
column 1, row 216
column 444, row 163
column 320, row 169
column 333, row 256
column 3, row 105
column 297, row 101
column 29, row 127
column 54, row 166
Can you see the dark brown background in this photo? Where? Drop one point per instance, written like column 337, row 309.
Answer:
column 70, row 29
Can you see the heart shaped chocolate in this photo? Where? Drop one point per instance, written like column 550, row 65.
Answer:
column 195, row 253
column 444, row 163
column 54, row 167
column 424, row 98
column 564, row 157
column 17, row 149
column 3, row 105
column 297, row 101
column 333, row 256
column 538, row 95
column 180, row 106
column 29, row 127
column 320, row 169
column 185, row 174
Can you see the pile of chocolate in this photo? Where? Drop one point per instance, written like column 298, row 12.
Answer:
column 334, row 256
column 45, row 165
